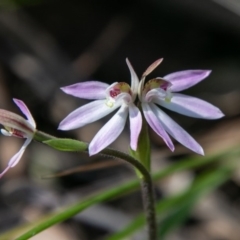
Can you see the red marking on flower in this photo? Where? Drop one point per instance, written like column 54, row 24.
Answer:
column 114, row 93
column 17, row 133
column 164, row 86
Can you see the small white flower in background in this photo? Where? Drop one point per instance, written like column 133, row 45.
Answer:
column 107, row 99
column 164, row 92
column 17, row 126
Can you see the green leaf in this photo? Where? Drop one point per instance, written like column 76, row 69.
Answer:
column 201, row 186
column 70, row 211
column 175, row 205
column 66, row 144
column 175, row 218
column 117, row 191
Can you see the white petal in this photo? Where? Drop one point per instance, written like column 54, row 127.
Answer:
column 25, row 111
column 86, row 114
column 6, row 133
column 176, row 131
column 124, row 98
column 135, row 125
column 185, row 79
column 16, row 158
column 191, row 106
column 134, row 80
column 110, row 131
column 87, row 90
column 4, row 171
column 155, row 94
column 155, row 123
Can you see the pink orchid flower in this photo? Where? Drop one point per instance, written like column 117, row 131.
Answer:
column 163, row 92
column 17, row 126
column 107, row 99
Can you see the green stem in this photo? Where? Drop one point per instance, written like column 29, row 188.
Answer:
column 149, row 207
column 42, row 136
column 114, row 153
column 146, row 181
column 147, row 191
column 143, row 155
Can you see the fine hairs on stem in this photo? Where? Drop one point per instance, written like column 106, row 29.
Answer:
column 149, row 207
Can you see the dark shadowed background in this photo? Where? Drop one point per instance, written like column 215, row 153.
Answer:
column 48, row 44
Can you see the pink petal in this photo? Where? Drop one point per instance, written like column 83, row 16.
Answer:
column 148, row 71
column 156, row 124
column 16, row 158
column 110, row 131
column 185, row 79
column 24, row 109
column 87, row 90
column 152, row 67
column 176, row 131
column 191, row 106
column 3, row 172
column 86, row 114
column 14, row 121
column 135, row 125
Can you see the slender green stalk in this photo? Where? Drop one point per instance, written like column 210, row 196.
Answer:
column 149, row 207
column 146, row 181
column 123, row 156
column 147, row 191
column 143, row 155
column 42, row 136
column 202, row 185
